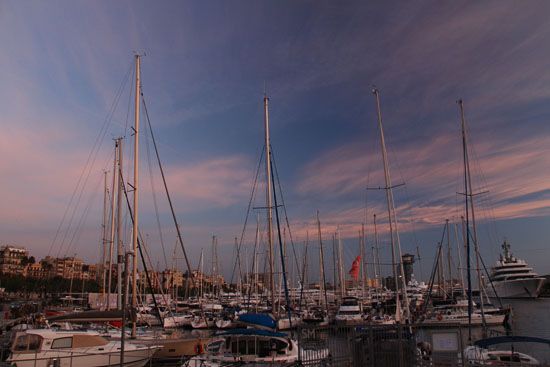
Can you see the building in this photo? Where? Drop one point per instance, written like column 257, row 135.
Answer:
column 13, row 260
column 408, row 261
column 35, row 271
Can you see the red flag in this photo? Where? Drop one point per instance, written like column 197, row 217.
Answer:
column 354, row 271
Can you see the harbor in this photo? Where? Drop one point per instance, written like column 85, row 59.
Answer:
column 207, row 184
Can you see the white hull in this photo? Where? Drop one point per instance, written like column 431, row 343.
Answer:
column 81, row 357
column 177, row 321
column 462, row 319
column 517, row 288
column 284, row 324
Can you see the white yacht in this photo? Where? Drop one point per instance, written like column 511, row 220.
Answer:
column 247, row 346
column 43, row 347
column 513, row 278
column 350, row 312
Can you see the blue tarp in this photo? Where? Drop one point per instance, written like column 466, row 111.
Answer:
column 484, row 343
column 261, row 320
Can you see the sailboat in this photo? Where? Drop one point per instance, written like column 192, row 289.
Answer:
column 402, row 311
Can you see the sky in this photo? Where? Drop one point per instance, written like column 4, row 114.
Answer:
column 66, row 93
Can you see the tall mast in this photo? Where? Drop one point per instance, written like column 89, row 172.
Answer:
column 341, row 267
column 323, row 282
column 469, row 198
column 334, row 277
column 201, row 273
column 255, row 267
column 136, row 191
column 363, row 260
column 268, row 199
column 120, row 248
column 458, row 254
column 467, row 230
column 377, row 255
column 104, row 247
column 450, row 269
column 392, row 219
column 112, row 238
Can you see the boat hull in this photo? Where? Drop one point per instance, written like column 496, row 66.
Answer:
column 138, row 357
column 517, row 288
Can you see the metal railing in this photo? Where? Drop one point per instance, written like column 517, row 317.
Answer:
column 383, row 345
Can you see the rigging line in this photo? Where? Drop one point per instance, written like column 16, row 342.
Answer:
column 130, row 95
column 488, row 209
column 250, row 201
column 488, row 276
column 68, row 229
column 286, row 215
column 78, row 230
column 88, row 165
column 159, row 284
column 167, row 192
column 153, row 191
column 139, row 243
column 60, row 249
column 433, row 275
column 281, row 252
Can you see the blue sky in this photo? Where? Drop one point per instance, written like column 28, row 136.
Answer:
column 204, row 74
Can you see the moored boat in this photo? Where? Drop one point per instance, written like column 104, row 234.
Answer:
column 44, row 347
column 513, row 278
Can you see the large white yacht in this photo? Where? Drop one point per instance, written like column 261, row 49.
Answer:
column 513, row 278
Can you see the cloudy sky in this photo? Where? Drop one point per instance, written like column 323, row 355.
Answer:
column 66, row 70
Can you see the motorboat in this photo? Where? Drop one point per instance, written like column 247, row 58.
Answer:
column 46, row 347
column 247, row 346
column 483, row 352
column 350, row 312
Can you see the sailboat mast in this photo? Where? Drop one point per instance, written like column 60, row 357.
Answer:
column 467, row 230
column 112, row 237
column 120, row 248
column 458, row 254
column 450, row 269
column 268, row 198
column 377, row 255
column 136, row 191
column 322, row 263
column 363, row 260
column 474, row 228
column 341, row 267
column 104, row 247
column 391, row 218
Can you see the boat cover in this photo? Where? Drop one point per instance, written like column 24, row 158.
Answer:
column 484, row 343
column 256, row 332
column 91, row 316
column 260, row 320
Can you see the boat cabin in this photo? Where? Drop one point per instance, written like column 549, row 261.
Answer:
column 32, row 341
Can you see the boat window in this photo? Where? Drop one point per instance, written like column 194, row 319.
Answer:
column 62, row 343
column 278, row 345
column 242, row 347
column 214, row 347
column 21, row 343
column 84, row 341
column 234, row 347
column 34, row 342
column 263, row 348
column 252, row 346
